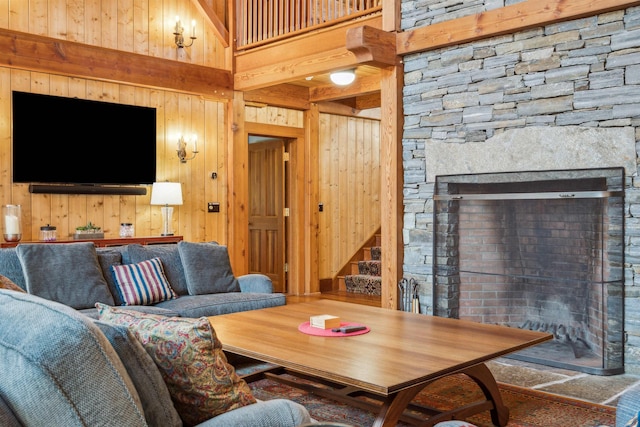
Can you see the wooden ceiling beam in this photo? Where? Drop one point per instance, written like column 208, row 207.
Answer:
column 289, row 60
column 44, row 54
column 372, row 46
column 285, row 95
column 505, row 20
column 361, row 86
column 219, row 28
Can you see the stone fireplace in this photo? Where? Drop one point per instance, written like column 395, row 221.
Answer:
column 540, row 250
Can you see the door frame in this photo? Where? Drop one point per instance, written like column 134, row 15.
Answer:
column 301, row 226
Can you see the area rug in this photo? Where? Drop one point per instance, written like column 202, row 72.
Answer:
column 528, row 408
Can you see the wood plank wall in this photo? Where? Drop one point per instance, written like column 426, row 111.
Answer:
column 349, row 188
column 349, row 181
column 139, row 26
column 143, row 27
column 176, row 114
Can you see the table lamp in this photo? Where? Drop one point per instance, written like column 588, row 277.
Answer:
column 165, row 194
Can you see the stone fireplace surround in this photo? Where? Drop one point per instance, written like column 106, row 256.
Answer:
column 536, row 250
column 552, row 151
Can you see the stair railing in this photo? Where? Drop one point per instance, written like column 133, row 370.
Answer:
column 262, row 21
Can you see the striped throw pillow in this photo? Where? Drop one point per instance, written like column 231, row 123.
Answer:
column 143, row 283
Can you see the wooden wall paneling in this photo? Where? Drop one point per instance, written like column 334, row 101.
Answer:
column 78, row 215
column 114, row 211
column 75, row 23
column 37, row 15
column 337, row 172
column 141, row 24
column 344, row 192
column 57, row 19
column 92, row 13
column 326, row 166
column 184, row 170
column 4, row 13
column 361, row 205
column 19, row 15
column 349, row 164
column 60, row 214
column 352, row 173
column 156, row 35
column 5, row 136
column 193, row 211
column 109, row 23
column 311, row 216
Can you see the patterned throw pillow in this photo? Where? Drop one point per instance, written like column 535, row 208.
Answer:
column 6, row 283
column 189, row 356
column 143, row 283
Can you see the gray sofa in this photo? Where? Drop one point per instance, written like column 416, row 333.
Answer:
column 62, row 368
column 80, row 275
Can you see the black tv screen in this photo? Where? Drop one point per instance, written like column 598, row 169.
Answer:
column 58, row 140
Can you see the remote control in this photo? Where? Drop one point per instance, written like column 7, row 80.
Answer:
column 348, row 329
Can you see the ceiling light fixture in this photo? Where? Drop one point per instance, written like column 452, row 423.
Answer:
column 343, row 78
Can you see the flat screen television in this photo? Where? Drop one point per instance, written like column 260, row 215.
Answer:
column 58, row 140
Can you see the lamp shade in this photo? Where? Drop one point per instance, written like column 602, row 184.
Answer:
column 166, row 193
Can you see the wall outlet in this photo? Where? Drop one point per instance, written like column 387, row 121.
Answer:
column 213, row 207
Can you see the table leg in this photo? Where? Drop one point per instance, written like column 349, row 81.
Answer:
column 482, row 376
column 394, row 405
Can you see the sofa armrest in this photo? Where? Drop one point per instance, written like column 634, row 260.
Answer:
column 628, row 406
column 268, row 413
column 258, row 283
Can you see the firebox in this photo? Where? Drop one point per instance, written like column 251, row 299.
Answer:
column 540, row 250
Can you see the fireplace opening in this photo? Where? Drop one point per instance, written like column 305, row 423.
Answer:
column 540, row 250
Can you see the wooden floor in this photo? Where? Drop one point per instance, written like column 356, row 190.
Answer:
column 370, row 300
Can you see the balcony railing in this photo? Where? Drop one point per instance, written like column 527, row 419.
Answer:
column 262, row 21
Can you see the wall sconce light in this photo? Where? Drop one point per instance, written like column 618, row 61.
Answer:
column 165, row 194
column 179, row 30
column 182, row 149
column 343, row 78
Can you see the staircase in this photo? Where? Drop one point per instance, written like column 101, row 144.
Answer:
column 365, row 275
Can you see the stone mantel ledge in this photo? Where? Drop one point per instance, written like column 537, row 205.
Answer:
column 535, row 148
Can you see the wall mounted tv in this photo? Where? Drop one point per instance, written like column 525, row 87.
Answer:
column 90, row 144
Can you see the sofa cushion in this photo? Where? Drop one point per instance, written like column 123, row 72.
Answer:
column 207, row 268
column 106, row 258
column 269, row 413
column 215, row 304
column 62, row 367
column 7, row 417
column 154, row 395
column 201, row 382
column 68, row 273
column 170, row 257
column 143, row 283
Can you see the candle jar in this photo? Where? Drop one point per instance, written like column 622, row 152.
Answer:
column 126, row 229
column 48, row 233
column 12, row 223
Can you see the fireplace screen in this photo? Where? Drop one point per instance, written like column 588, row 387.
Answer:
column 536, row 250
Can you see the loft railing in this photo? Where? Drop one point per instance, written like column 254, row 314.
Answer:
column 262, row 21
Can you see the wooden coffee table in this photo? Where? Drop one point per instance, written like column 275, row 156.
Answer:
column 402, row 353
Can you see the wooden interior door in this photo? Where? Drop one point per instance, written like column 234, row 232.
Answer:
column 266, row 211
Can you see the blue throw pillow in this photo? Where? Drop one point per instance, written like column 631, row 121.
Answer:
column 207, row 268
column 68, row 273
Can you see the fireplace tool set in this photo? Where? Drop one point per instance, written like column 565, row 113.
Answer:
column 409, row 295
